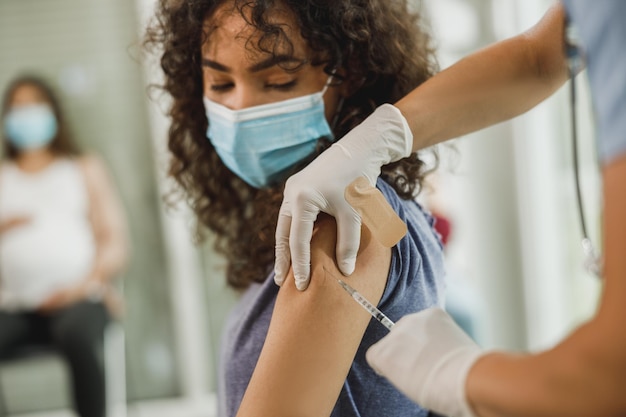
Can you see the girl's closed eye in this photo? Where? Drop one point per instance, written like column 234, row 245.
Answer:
column 221, row 86
column 283, row 86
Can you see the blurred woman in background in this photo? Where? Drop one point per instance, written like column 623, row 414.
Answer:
column 62, row 240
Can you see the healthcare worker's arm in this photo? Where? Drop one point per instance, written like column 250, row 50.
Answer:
column 490, row 86
column 585, row 375
column 430, row 359
column 314, row 335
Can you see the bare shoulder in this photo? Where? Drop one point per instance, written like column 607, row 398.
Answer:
column 94, row 170
column 91, row 164
column 373, row 259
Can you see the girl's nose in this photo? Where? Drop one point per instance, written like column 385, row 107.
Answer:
column 243, row 97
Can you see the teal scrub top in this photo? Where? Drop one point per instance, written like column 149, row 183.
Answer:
column 601, row 26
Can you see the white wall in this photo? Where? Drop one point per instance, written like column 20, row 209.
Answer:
column 195, row 347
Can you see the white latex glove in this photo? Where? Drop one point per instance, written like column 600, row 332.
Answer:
column 382, row 138
column 427, row 357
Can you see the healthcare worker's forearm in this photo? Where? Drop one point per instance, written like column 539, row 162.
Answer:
column 584, row 375
column 567, row 381
column 492, row 85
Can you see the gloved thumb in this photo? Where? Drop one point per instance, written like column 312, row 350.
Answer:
column 373, row 355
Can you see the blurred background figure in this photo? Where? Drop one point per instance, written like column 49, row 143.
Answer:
column 62, row 240
column 89, row 53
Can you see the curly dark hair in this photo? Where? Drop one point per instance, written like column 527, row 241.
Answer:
column 62, row 144
column 384, row 53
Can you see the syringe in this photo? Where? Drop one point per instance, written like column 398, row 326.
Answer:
column 363, row 302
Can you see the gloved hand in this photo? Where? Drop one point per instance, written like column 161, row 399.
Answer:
column 427, row 357
column 382, row 138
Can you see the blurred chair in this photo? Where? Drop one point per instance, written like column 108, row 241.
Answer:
column 114, row 358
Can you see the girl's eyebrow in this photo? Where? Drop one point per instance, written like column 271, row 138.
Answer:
column 215, row 65
column 274, row 60
column 259, row 66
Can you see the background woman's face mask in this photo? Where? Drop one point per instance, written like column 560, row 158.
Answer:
column 30, row 127
column 262, row 143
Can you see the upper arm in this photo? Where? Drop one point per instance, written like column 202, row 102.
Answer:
column 546, row 48
column 314, row 335
column 105, row 209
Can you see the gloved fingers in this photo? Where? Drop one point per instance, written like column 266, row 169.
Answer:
column 300, row 245
column 435, row 320
column 374, row 355
column 396, row 357
column 383, row 356
column 283, row 254
column 428, row 357
column 388, row 357
column 348, row 240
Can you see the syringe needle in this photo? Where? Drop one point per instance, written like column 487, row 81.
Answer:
column 363, row 302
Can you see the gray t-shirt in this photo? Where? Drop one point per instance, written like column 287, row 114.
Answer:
column 415, row 282
column 601, row 26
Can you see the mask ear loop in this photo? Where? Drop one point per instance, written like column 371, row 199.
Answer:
column 330, row 77
column 333, row 124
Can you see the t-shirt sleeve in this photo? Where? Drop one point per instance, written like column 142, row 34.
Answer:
column 416, row 273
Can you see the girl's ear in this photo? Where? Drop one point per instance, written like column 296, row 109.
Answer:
column 351, row 87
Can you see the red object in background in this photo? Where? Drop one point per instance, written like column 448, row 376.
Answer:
column 443, row 227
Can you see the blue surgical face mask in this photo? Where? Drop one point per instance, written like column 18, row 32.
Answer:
column 261, row 144
column 30, row 127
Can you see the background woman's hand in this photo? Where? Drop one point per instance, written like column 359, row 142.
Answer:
column 68, row 296
column 14, row 222
column 62, row 298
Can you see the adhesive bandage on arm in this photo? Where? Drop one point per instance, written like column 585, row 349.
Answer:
column 375, row 212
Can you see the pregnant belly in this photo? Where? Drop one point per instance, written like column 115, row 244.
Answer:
column 43, row 257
